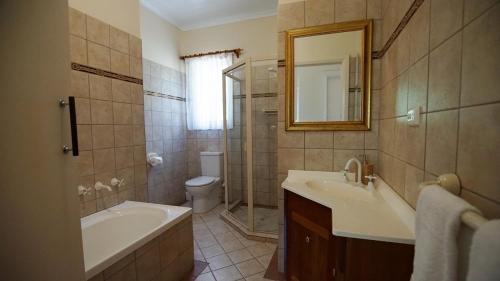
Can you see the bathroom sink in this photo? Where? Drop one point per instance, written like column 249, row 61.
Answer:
column 341, row 190
column 379, row 214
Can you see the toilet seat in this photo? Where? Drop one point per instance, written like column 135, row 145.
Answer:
column 200, row 181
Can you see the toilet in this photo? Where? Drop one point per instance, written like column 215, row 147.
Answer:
column 205, row 190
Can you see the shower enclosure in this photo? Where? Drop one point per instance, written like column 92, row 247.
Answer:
column 250, row 139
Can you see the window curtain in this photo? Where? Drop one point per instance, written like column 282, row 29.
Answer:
column 204, row 92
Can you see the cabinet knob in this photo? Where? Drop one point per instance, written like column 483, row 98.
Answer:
column 308, row 239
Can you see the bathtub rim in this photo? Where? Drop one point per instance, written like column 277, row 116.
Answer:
column 184, row 212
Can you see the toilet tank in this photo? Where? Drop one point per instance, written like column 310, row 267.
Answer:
column 212, row 164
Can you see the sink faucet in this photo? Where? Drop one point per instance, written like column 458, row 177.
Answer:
column 346, row 169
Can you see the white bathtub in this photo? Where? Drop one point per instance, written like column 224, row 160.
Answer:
column 112, row 234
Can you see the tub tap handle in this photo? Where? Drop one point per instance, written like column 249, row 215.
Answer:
column 117, row 182
column 82, row 190
column 99, row 186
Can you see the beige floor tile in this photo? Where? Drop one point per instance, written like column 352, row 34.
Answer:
column 206, row 241
column 198, row 255
column 248, row 242
column 216, row 230
column 205, row 277
column 212, row 251
column 250, row 267
column 225, row 237
column 240, row 255
column 219, row 262
column 259, row 249
column 232, row 245
column 265, row 260
column 229, row 273
column 201, row 233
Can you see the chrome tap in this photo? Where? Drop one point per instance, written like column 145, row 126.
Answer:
column 99, row 186
column 346, row 169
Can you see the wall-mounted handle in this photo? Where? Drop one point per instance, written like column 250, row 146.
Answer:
column 74, row 128
column 308, row 239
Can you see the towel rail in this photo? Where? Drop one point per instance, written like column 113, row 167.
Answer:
column 451, row 183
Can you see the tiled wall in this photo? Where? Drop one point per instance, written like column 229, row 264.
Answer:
column 264, row 101
column 165, row 120
column 110, row 113
column 236, row 153
column 202, row 140
column 324, row 151
column 265, row 121
column 446, row 62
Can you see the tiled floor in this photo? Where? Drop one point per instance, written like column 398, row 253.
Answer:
column 230, row 255
column 265, row 219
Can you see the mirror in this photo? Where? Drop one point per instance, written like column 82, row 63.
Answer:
column 328, row 71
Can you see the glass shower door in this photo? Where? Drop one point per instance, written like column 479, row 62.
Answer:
column 264, row 139
column 250, row 146
column 236, row 197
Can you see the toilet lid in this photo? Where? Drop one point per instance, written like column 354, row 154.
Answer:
column 200, row 181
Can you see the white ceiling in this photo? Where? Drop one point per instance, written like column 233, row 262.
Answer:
column 193, row 14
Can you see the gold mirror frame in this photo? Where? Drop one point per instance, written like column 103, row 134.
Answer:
column 364, row 123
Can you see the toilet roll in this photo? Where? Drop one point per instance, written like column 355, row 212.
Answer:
column 154, row 159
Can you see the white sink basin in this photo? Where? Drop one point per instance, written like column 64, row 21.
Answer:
column 357, row 212
column 341, row 190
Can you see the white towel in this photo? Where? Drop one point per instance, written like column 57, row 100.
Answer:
column 436, row 230
column 484, row 261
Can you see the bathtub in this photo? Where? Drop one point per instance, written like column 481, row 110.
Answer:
column 112, row 234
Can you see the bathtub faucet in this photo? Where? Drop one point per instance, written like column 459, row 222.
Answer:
column 99, row 186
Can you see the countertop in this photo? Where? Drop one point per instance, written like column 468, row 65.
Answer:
column 379, row 215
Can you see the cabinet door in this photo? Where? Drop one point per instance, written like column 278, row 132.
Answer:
column 309, row 250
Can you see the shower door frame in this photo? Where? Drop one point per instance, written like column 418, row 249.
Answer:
column 247, row 144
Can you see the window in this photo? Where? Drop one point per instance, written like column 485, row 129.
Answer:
column 204, row 92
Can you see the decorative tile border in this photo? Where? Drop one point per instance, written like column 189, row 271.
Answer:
column 402, row 24
column 155, row 94
column 263, row 95
column 105, row 73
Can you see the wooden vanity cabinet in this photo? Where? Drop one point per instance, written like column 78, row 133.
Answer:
column 313, row 253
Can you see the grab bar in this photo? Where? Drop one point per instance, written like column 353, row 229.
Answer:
column 451, row 183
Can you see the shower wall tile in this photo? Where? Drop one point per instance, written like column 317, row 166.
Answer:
column 318, row 159
column 444, row 74
column 291, row 15
column 110, row 145
column 318, row 12
column 118, row 40
column 100, row 87
column 349, row 10
column 77, row 23
column 329, row 151
column 164, row 120
column 446, row 19
column 102, row 136
column 120, row 63
column 79, row 84
column 452, row 80
column 78, row 49
column 83, row 115
column 135, row 46
column 98, row 56
column 481, row 59
column 121, row 91
column 479, row 132
column 101, row 111
column 97, row 31
column 122, row 113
